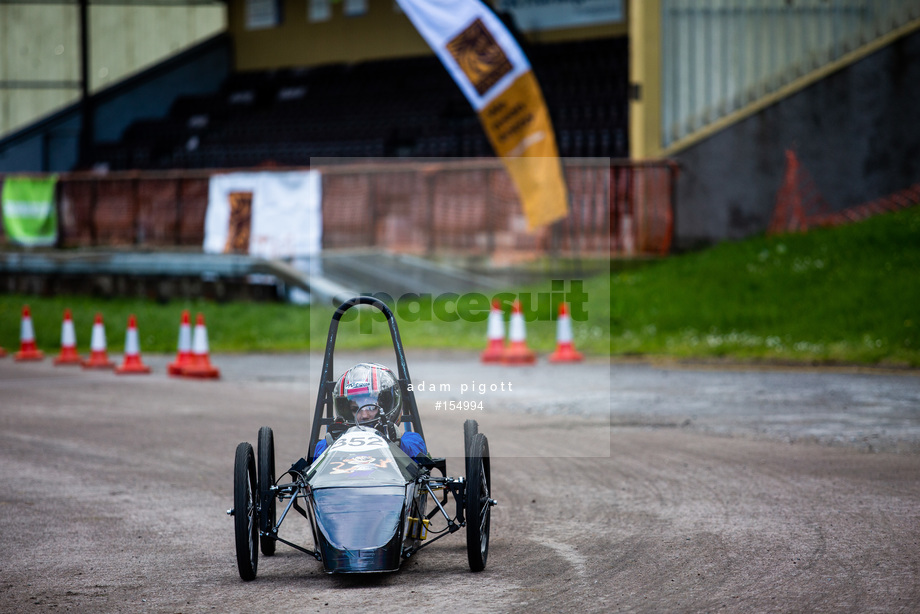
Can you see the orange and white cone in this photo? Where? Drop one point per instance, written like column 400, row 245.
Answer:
column 27, row 349
column 98, row 356
column 565, row 350
column 184, row 355
column 201, row 362
column 495, row 335
column 517, row 352
column 68, row 355
column 132, row 361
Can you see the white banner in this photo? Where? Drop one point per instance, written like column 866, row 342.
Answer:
column 449, row 26
column 265, row 214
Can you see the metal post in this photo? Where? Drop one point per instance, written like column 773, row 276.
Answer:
column 87, row 127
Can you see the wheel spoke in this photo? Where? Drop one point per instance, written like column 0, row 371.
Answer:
column 251, row 514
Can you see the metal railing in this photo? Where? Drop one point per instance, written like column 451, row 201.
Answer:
column 718, row 56
column 469, row 207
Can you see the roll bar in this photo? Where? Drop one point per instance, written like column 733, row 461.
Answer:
column 327, row 383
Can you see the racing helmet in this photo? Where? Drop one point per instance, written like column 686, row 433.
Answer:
column 367, row 386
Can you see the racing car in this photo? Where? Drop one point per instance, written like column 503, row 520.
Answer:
column 370, row 505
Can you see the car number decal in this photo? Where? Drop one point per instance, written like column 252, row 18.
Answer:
column 359, row 442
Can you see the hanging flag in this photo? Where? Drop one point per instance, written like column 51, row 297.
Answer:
column 29, row 211
column 495, row 76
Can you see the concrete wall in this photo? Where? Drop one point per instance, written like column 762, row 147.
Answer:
column 40, row 49
column 857, row 133
column 52, row 145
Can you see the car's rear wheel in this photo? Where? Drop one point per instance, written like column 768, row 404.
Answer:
column 478, row 502
column 246, row 512
column 268, row 502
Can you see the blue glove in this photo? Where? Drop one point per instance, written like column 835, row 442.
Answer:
column 413, row 445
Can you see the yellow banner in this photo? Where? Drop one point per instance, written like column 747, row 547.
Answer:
column 489, row 67
column 518, row 126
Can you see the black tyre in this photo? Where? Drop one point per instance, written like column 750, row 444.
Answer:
column 470, row 428
column 246, row 512
column 478, row 501
column 267, row 500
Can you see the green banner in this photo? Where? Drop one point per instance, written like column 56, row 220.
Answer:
column 29, row 212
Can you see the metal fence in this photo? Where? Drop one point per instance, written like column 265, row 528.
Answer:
column 467, row 207
column 720, row 55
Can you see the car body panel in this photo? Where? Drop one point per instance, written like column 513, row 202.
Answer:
column 362, row 490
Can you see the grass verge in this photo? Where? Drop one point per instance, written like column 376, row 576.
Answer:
column 844, row 295
column 849, row 294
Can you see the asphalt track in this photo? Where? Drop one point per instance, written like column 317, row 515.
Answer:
column 631, row 487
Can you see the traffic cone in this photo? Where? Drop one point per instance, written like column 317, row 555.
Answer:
column 184, row 356
column 27, row 349
column 201, row 363
column 132, row 362
column 565, row 351
column 2, row 352
column 495, row 335
column 68, row 355
column 517, row 352
column 98, row 357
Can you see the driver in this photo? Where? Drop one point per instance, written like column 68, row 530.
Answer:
column 368, row 395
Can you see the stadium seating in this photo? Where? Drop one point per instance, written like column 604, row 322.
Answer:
column 394, row 108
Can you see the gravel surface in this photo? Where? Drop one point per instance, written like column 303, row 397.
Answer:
column 623, row 487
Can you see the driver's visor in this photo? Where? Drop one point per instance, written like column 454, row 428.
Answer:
column 359, row 401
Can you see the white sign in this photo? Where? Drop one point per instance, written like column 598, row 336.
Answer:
column 285, row 219
column 536, row 15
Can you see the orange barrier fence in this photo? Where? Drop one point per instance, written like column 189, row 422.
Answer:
column 800, row 206
column 132, row 208
column 463, row 206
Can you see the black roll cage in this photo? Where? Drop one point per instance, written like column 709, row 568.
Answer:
column 410, row 417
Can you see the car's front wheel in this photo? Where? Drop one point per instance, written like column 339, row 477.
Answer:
column 478, row 501
column 246, row 512
column 470, row 428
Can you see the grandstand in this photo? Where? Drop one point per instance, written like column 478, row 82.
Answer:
column 406, row 107
column 721, row 89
